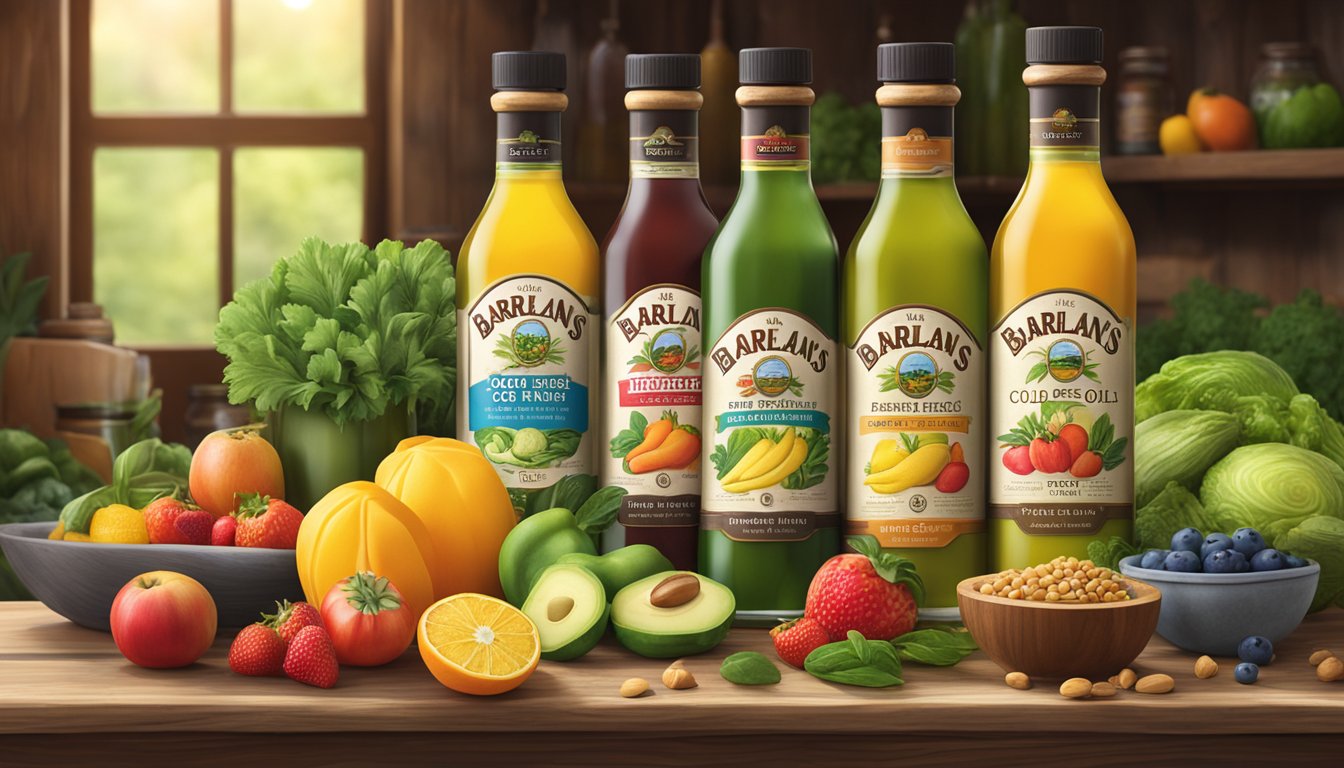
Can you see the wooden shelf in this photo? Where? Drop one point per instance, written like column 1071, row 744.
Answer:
column 1271, row 166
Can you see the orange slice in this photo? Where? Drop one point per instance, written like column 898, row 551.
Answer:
column 478, row 644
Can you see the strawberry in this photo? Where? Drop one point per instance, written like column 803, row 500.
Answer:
column 173, row 521
column 874, row 592
column 266, row 522
column 795, row 639
column 291, row 618
column 257, row 650
column 222, row 534
column 311, row 659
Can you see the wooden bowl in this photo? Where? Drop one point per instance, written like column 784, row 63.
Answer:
column 1054, row 641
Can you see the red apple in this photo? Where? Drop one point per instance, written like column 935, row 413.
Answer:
column 163, row 619
column 233, row 462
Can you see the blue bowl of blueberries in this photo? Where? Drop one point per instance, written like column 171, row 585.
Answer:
column 1219, row 589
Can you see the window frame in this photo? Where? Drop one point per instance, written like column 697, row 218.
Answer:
column 224, row 131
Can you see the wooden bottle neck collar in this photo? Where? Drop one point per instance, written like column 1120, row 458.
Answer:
column 677, row 100
column 775, row 96
column 529, row 101
column 918, row 95
column 1063, row 74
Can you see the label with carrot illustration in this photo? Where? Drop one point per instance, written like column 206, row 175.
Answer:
column 769, row 386
column 653, row 407
column 916, row 398
column 1062, row 457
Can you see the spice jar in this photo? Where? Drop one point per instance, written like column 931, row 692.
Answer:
column 209, row 410
column 1284, row 67
column 1142, row 101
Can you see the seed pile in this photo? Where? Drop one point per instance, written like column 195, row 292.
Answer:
column 1062, row 580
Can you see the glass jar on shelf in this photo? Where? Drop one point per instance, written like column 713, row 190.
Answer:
column 1143, row 99
column 1284, row 67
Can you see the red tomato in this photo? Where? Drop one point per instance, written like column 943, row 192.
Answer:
column 368, row 620
column 1050, row 457
column 1018, row 460
column 1075, row 437
column 230, row 463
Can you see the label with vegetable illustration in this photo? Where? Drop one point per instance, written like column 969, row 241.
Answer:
column 770, row 386
column 529, row 371
column 653, row 407
column 915, row 382
column 1064, row 363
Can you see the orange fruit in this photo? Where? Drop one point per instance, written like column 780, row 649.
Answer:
column 118, row 524
column 478, row 644
column 1222, row 123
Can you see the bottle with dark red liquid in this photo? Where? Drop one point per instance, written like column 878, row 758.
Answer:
column 653, row 357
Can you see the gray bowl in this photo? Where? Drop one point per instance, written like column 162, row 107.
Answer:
column 1211, row 612
column 79, row 580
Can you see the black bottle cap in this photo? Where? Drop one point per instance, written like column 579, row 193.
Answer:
column 1064, row 45
column 662, row 71
column 916, row 63
column 775, row 66
column 527, row 71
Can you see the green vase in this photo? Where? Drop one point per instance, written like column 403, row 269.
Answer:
column 318, row 454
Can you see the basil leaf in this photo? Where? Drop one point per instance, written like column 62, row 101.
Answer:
column 937, row 647
column 599, row 511
column 856, row 661
column 749, row 668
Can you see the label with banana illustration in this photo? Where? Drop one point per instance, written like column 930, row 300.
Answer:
column 915, row 380
column 770, row 386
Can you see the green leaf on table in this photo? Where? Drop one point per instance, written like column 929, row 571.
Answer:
column 856, row 661
column 935, row 646
column 749, row 668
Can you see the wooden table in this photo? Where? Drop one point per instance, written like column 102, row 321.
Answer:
column 66, row 695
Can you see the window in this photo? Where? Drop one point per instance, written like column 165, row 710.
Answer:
column 208, row 137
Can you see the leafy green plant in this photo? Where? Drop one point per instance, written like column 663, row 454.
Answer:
column 344, row 329
column 146, row 471
column 814, row 468
column 629, row 438
column 501, row 445
column 1101, row 438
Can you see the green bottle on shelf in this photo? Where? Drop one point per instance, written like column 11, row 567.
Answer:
column 770, row 492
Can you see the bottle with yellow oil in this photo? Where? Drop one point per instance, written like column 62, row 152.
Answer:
column 1062, row 304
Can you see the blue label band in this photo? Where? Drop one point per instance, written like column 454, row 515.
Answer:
column 807, row 419
column 519, row 401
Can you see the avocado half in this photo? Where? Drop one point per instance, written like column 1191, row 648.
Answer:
column 569, row 607
column 661, row 633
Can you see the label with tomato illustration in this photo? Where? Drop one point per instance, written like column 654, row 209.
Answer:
column 653, row 407
column 771, row 388
column 916, row 398
column 528, row 360
column 1062, row 374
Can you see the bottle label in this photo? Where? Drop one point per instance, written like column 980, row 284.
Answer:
column 915, row 379
column 530, row 363
column 1065, row 116
column 1062, row 372
column 664, row 145
column 653, row 407
column 770, row 385
column 527, row 137
column 916, row 142
column 775, row 137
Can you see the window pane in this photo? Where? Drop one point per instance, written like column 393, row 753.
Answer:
column 283, row 195
column 298, row 56
column 155, row 55
column 156, row 243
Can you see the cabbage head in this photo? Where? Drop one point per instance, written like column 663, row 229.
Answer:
column 1180, row 446
column 1320, row 538
column 528, row 443
column 1170, row 511
column 1211, row 381
column 1272, row 487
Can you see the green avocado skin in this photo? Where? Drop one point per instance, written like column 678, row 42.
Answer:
column 534, row 543
column 583, row 643
column 667, row 646
column 622, row 567
column 1312, row 117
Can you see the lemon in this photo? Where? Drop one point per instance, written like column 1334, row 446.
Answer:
column 1177, row 136
column 57, row 533
column 118, row 524
column 478, row 644
column 76, row 536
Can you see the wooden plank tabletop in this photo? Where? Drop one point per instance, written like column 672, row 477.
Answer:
column 58, row 678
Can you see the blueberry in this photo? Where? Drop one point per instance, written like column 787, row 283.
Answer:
column 1182, row 561
column 1293, row 561
column 1247, row 541
column 1247, row 673
column 1214, row 542
column 1152, row 559
column 1256, row 650
column 1187, row 540
column 1225, row 561
column 1268, row 560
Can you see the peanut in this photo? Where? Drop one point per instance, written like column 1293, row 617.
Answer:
column 634, row 687
column 678, row 678
column 1127, row 678
column 1062, row 580
column 1155, row 684
column 1319, row 656
column 1018, row 680
column 1102, row 690
column 1205, row 667
column 675, row 590
column 1330, row 670
column 1076, row 688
